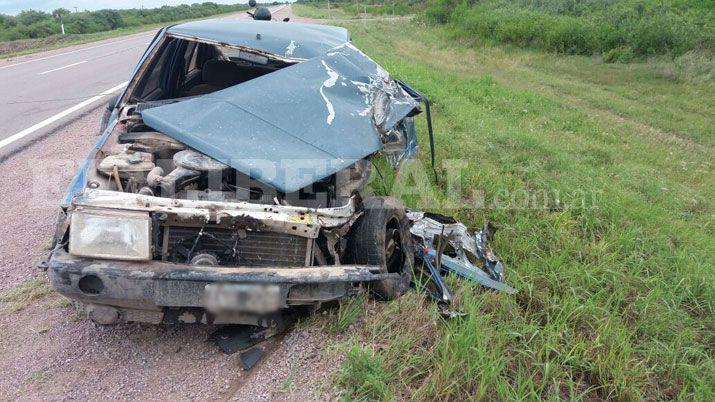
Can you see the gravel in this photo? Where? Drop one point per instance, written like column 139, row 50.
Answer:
column 32, row 183
column 47, row 352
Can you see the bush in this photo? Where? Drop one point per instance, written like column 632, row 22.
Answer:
column 32, row 24
column 440, row 11
column 618, row 29
column 619, row 55
column 569, row 35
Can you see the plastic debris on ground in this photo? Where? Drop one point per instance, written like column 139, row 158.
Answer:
column 251, row 357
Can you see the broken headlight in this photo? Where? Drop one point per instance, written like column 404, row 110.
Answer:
column 115, row 235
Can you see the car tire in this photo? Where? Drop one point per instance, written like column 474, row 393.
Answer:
column 381, row 236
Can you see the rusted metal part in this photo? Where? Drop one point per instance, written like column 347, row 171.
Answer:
column 332, row 240
column 65, row 263
column 300, row 221
column 149, row 290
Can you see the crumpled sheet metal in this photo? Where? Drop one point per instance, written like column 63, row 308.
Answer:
column 295, row 126
column 429, row 226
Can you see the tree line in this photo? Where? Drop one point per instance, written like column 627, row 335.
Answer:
column 31, row 24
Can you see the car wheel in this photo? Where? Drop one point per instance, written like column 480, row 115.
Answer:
column 381, row 236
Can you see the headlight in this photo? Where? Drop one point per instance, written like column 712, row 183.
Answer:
column 116, row 235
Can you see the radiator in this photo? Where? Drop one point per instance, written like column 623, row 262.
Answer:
column 256, row 249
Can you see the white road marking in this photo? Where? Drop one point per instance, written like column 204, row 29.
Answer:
column 24, row 133
column 62, row 68
column 70, row 52
column 92, row 47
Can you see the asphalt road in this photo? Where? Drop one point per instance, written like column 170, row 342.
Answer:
column 43, row 91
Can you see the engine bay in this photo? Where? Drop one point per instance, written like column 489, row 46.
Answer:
column 151, row 163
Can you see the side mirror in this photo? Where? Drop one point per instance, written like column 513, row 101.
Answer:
column 286, row 19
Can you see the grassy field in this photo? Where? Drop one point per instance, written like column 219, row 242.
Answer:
column 320, row 10
column 620, row 30
column 602, row 177
column 352, row 10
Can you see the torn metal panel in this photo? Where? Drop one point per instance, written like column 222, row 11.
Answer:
column 467, row 270
column 426, row 227
column 492, row 264
column 296, row 40
column 329, row 111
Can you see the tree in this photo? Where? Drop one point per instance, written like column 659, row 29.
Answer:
column 61, row 11
column 7, row 21
column 29, row 17
column 110, row 18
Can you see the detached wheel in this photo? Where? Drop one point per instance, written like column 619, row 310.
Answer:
column 381, row 236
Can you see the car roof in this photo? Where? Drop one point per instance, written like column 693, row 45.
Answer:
column 288, row 39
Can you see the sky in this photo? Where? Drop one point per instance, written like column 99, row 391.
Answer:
column 13, row 7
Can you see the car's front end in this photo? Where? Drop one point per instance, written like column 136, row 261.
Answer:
column 228, row 184
column 132, row 257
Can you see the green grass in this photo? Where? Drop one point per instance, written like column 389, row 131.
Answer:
column 18, row 298
column 602, row 177
column 353, row 10
column 620, row 30
column 321, row 11
column 347, row 313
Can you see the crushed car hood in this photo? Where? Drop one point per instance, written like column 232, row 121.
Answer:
column 295, row 40
column 294, row 126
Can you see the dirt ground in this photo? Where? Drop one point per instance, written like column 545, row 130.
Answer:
column 49, row 352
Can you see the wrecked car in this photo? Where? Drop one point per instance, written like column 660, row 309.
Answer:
column 228, row 182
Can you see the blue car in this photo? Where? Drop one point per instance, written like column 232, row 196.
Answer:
column 230, row 180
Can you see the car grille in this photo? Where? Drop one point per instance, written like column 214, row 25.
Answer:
column 257, row 249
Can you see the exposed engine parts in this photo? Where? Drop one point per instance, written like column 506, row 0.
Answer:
column 127, row 163
column 140, row 160
column 189, row 167
column 153, row 164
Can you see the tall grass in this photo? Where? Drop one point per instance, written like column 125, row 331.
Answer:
column 620, row 30
column 355, row 9
column 616, row 295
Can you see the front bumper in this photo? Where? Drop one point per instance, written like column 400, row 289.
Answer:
column 157, row 292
